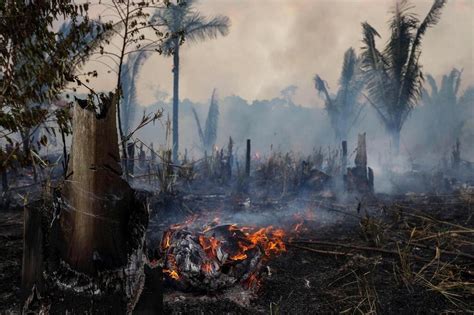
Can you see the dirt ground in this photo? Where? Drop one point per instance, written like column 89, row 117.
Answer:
column 398, row 255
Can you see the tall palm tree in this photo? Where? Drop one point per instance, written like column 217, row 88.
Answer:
column 344, row 109
column 182, row 22
column 393, row 76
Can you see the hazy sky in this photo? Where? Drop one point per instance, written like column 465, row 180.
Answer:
column 275, row 43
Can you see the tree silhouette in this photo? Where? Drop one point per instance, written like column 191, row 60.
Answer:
column 344, row 109
column 393, row 76
column 444, row 109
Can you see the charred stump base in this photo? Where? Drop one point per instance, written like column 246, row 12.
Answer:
column 50, row 284
column 95, row 262
column 360, row 178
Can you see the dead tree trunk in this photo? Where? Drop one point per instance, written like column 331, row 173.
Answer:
column 131, row 158
column 97, row 199
column 247, row 159
column 344, row 156
column 360, row 178
column 361, row 155
column 456, row 154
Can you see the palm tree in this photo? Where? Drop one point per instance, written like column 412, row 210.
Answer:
column 182, row 22
column 393, row 76
column 208, row 137
column 344, row 109
column 445, row 110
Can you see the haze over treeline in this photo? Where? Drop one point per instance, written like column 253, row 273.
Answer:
column 276, row 44
column 273, row 44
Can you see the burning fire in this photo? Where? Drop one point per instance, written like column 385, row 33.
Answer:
column 224, row 246
column 269, row 239
column 210, row 245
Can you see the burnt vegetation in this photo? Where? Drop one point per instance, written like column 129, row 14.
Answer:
column 103, row 211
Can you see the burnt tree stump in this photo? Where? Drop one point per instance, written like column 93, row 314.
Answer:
column 360, row 178
column 97, row 199
column 95, row 262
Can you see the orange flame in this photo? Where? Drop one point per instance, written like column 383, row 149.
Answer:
column 166, row 242
column 239, row 256
column 210, row 245
column 172, row 273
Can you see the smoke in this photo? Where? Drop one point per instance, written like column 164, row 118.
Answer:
column 273, row 44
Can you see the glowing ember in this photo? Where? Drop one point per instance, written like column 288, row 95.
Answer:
column 240, row 256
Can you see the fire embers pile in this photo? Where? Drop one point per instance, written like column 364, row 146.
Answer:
column 218, row 257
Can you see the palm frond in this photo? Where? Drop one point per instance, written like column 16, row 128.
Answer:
column 198, row 28
column 321, row 87
column 348, row 68
column 181, row 22
column 411, row 88
column 374, row 70
column 398, row 47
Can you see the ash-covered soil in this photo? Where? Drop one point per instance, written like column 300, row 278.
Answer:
column 388, row 255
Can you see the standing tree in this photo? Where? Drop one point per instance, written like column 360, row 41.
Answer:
column 36, row 63
column 445, row 111
column 344, row 109
column 131, row 24
column 182, row 22
column 393, row 76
